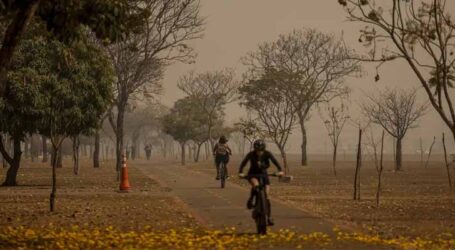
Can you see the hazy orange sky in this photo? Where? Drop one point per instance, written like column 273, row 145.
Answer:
column 235, row 27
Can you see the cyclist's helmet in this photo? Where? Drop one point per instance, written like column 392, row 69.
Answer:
column 259, row 145
column 223, row 139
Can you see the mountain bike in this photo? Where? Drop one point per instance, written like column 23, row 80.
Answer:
column 260, row 210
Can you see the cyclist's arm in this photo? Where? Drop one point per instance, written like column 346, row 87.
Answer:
column 229, row 150
column 275, row 162
column 215, row 148
column 244, row 162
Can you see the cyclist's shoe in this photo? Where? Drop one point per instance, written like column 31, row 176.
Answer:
column 270, row 222
column 250, row 203
column 217, row 178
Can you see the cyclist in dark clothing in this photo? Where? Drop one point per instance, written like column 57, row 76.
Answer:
column 259, row 160
column 221, row 152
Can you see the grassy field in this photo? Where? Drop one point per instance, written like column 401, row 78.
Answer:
column 415, row 202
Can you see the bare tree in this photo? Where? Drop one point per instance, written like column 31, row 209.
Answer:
column 358, row 165
column 334, row 123
column 274, row 111
column 422, row 33
column 397, row 112
column 250, row 129
column 211, row 91
column 378, row 162
column 430, row 151
column 161, row 38
column 318, row 64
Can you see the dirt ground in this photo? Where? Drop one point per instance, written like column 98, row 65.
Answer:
column 92, row 214
column 89, row 200
column 415, row 202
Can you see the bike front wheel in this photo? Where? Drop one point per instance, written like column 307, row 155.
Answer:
column 261, row 213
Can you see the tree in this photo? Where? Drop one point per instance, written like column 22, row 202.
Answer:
column 211, row 91
column 63, row 18
column 274, row 112
column 23, row 104
column 378, row 162
column 160, row 36
column 249, row 129
column 334, row 123
column 182, row 123
column 422, row 33
column 47, row 74
column 396, row 111
column 140, row 122
column 77, row 93
column 316, row 65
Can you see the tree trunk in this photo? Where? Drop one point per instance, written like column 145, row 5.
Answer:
column 182, row 146
column 380, row 169
column 285, row 161
column 11, row 174
column 398, row 159
column 304, row 160
column 198, row 152
column 60, row 157
column 334, row 159
column 357, row 168
column 96, row 153
column 430, row 151
column 45, row 152
column 12, row 37
column 446, row 161
column 6, row 144
column 55, row 150
column 76, row 143
column 119, row 137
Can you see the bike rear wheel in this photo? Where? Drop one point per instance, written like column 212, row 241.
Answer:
column 222, row 174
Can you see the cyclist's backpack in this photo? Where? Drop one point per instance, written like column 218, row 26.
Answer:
column 221, row 149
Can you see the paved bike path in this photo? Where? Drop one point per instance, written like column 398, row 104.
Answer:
column 218, row 208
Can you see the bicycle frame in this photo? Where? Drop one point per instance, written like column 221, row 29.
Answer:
column 260, row 211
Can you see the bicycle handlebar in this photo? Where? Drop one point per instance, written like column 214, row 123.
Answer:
column 261, row 175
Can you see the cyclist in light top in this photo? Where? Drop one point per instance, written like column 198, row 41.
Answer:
column 221, row 151
column 259, row 160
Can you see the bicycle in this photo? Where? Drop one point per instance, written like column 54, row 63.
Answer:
column 260, row 210
column 223, row 174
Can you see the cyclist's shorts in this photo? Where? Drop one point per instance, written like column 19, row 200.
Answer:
column 265, row 179
column 221, row 158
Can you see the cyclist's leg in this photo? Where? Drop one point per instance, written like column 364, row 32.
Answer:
column 269, row 205
column 217, row 165
column 254, row 190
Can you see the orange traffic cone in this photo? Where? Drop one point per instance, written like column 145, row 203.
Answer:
column 125, row 183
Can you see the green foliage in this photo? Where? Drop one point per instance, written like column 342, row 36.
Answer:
column 79, row 89
column 56, row 89
column 186, row 122
column 106, row 18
